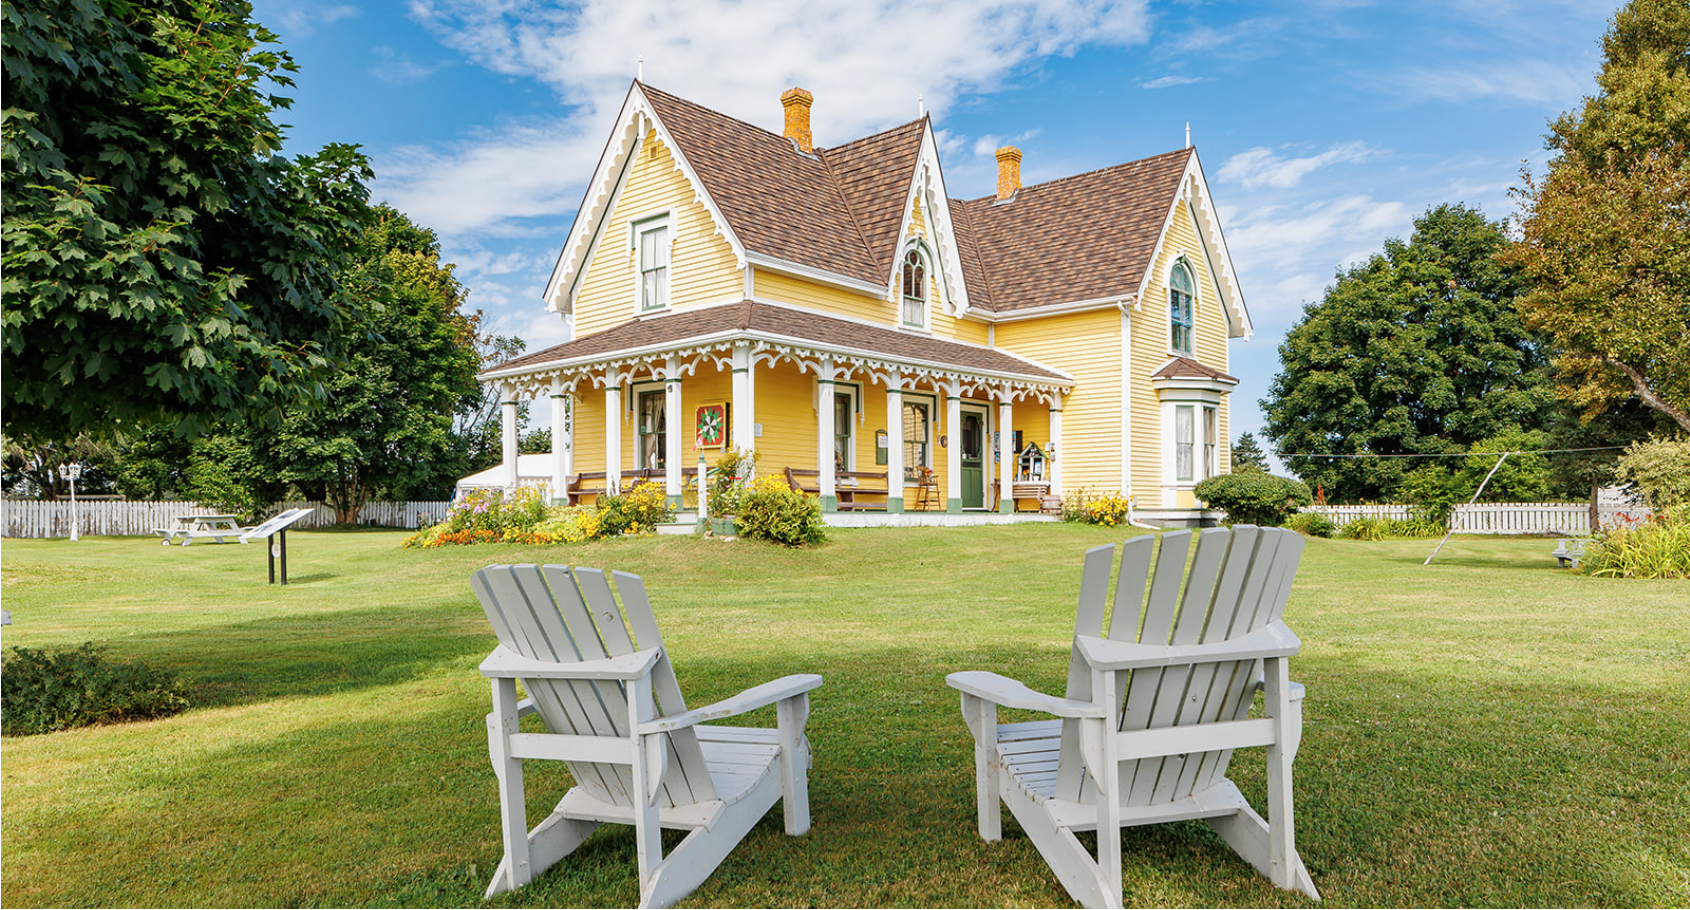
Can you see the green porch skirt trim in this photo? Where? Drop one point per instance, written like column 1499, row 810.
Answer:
column 830, row 503
column 953, row 506
column 894, row 505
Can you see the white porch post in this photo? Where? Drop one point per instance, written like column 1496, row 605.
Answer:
column 824, row 437
column 563, row 442
column 1006, row 454
column 612, row 439
column 894, row 443
column 1053, row 458
column 953, row 450
column 672, row 430
column 507, row 436
column 744, row 403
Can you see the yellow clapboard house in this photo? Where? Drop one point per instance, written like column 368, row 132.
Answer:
column 835, row 311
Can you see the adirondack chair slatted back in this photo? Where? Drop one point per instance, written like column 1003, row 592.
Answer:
column 564, row 615
column 1238, row 582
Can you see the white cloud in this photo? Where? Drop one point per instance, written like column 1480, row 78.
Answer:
column 1171, row 81
column 302, row 17
column 1276, row 247
column 1556, row 84
column 395, row 68
column 1261, row 167
column 734, row 56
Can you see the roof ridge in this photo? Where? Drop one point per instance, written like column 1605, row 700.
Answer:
column 862, row 139
column 1091, row 173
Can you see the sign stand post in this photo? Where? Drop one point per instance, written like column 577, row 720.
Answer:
column 276, row 532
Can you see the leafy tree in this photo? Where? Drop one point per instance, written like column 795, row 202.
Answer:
column 479, row 428
column 1585, row 473
column 1605, row 236
column 31, row 471
column 162, row 262
column 387, row 427
column 1247, row 455
column 1417, row 350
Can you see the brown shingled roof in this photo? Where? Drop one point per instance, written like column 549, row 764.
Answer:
column 1084, row 237
column 1180, row 367
column 683, row 326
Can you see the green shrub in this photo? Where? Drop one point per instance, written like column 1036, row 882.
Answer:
column 1659, row 548
column 1311, row 524
column 1433, row 492
column 1383, row 528
column 728, row 477
column 783, row 516
column 1254, row 497
column 44, row 691
column 639, row 511
column 1660, row 471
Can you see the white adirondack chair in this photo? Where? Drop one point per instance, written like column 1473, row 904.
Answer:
column 1153, row 711
column 617, row 720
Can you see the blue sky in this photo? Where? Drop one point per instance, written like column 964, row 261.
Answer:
column 1323, row 127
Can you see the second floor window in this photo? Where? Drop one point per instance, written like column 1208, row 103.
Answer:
column 1181, row 290
column 915, row 290
column 654, row 267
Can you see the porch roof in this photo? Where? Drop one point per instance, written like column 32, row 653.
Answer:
column 747, row 320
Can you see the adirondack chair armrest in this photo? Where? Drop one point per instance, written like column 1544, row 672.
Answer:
column 1009, row 693
column 504, row 662
column 1275, row 640
column 1296, row 692
column 751, row 699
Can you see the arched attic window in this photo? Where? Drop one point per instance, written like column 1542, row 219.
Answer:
column 1181, row 295
column 915, row 290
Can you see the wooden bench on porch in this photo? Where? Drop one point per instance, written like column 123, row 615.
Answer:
column 851, row 485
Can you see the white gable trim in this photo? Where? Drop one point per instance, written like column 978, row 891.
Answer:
column 1194, row 191
column 635, row 120
column 928, row 184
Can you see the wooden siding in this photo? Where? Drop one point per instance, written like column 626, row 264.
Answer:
column 1088, row 347
column 702, row 267
column 778, row 288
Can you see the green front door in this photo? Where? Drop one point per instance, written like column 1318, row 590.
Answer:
column 973, row 479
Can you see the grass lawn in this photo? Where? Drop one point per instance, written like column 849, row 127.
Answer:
column 1485, row 731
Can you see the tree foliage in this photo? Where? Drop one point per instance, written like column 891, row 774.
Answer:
column 1418, row 350
column 1247, row 454
column 162, row 261
column 387, row 427
column 1605, row 235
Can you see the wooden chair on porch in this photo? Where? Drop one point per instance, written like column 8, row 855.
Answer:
column 616, row 719
column 1153, row 711
column 926, row 489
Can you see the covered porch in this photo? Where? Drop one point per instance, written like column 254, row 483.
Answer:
column 875, row 420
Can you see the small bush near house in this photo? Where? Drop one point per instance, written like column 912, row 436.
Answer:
column 1660, row 471
column 1087, row 507
column 639, row 511
column 44, row 691
column 770, row 510
column 1255, row 498
column 1311, row 524
column 1659, row 548
column 728, row 477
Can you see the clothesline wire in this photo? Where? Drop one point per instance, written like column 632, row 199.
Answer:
column 1449, row 454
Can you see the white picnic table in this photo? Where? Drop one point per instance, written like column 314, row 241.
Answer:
column 193, row 527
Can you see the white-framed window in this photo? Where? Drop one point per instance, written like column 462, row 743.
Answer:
column 1211, row 425
column 651, row 408
column 1182, row 295
column 918, row 436
column 914, row 290
column 652, row 239
column 844, row 427
column 1184, row 430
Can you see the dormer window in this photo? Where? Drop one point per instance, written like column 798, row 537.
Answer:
column 652, row 242
column 1181, row 292
column 915, row 290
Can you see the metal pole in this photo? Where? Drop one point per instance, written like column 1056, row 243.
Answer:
column 1475, row 498
column 73, row 528
column 270, row 550
column 283, row 534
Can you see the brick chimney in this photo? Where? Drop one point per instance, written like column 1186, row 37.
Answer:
column 797, row 103
column 1009, row 172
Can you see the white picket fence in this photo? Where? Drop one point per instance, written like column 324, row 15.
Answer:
column 1502, row 517
column 117, row 518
